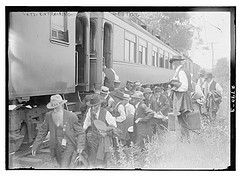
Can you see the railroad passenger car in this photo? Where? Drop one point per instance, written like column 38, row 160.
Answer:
column 64, row 53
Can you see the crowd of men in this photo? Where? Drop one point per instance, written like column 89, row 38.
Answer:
column 132, row 113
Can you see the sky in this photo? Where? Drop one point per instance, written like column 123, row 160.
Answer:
column 215, row 35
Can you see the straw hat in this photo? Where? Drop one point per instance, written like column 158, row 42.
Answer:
column 119, row 94
column 147, row 90
column 104, row 90
column 55, row 101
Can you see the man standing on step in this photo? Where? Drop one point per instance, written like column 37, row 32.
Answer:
column 66, row 134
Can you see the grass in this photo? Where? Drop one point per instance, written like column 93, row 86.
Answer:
column 208, row 150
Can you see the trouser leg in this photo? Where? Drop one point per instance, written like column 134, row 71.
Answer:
column 67, row 156
column 92, row 154
column 183, row 126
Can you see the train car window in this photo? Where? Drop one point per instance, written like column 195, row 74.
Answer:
column 154, row 58
column 140, row 55
column 166, row 60
column 93, row 38
column 171, row 66
column 127, row 52
column 132, row 52
column 59, row 27
column 130, row 47
column 161, row 57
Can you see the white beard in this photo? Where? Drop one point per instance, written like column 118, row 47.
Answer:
column 58, row 117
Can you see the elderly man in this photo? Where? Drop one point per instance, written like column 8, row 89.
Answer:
column 181, row 95
column 98, row 142
column 213, row 93
column 144, row 120
column 66, row 134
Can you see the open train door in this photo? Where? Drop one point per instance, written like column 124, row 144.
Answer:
column 107, row 45
column 82, row 66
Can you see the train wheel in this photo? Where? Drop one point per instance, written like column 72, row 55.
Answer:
column 17, row 140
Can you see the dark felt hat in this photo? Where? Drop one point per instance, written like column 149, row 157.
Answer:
column 94, row 100
column 208, row 75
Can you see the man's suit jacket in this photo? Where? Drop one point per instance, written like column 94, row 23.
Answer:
column 74, row 133
column 109, row 78
column 146, row 125
column 160, row 104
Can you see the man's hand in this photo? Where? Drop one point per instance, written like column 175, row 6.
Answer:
column 33, row 153
column 165, row 118
column 138, row 120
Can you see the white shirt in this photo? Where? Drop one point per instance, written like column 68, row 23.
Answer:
column 109, row 118
column 182, row 78
column 129, row 109
column 121, row 110
column 200, row 82
column 116, row 77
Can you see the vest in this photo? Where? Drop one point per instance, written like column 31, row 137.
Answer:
column 212, row 86
column 188, row 77
column 93, row 135
column 115, row 111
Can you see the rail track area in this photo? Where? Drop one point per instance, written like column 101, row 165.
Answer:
column 23, row 159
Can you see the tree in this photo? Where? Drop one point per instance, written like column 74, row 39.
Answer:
column 222, row 73
column 174, row 28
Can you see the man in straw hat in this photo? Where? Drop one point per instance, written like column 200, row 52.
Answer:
column 108, row 100
column 98, row 142
column 213, row 93
column 119, row 112
column 181, row 89
column 66, row 134
column 144, row 119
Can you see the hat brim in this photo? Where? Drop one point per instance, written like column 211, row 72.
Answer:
column 49, row 105
column 115, row 95
column 106, row 93
column 95, row 104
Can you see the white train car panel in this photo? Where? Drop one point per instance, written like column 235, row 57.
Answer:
column 36, row 65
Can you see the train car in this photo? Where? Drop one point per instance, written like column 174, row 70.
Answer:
column 134, row 53
column 64, row 53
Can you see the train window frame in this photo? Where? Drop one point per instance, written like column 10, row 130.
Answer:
column 130, row 51
column 170, row 64
column 166, row 60
column 59, row 36
column 161, row 58
column 154, row 59
column 140, row 55
column 92, row 45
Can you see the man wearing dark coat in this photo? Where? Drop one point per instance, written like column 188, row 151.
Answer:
column 66, row 134
column 144, row 120
column 213, row 93
column 181, row 95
